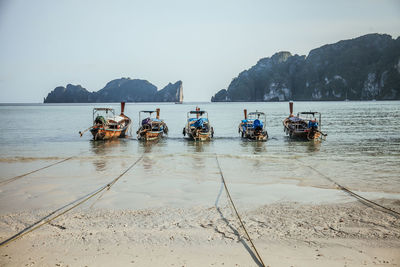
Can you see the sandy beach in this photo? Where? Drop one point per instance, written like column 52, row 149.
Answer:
column 288, row 234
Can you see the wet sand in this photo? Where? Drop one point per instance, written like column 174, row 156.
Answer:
column 158, row 216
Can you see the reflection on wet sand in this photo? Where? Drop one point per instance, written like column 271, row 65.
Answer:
column 101, row 149
column 308, row 146
column 195, row 146
column 314, row 146
column 150, row 147
column 147, row 146
column 255, row 147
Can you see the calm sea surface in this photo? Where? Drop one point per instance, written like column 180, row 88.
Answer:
column 361, row 151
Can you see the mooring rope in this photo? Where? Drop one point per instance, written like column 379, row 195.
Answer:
column 348, row 191
column 23, row 175
column 237, row 213
column 114, row 181
column 78, row 202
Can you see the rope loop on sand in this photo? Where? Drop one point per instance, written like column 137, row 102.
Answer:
column 47, row 219
column 237, row 213
column 351, row 193
column 23, row 175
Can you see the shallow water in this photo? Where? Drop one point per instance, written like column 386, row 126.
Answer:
column 362, row 152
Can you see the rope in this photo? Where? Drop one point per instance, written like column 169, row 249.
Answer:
column 81, row 133
column 237, row 213
column 78, row 202
column 115, row 180
column 23, row 175
column 353, row 194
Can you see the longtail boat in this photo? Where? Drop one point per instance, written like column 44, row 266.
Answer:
column 198, row 127
column 306, row 125
column 253, row 126
column 107, row 125
column 151, row 127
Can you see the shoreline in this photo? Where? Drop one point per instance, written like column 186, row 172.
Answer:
column 285, row 234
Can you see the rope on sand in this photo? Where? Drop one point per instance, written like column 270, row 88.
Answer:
column 237, row 213
column 47, row 219
column 23, row 175
column 351, row 193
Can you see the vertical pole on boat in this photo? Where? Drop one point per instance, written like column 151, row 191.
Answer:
column 245, row 114
column 122, row 108
column 319, row 123
column 197, row 114
column 158, row 113
column 291, row 107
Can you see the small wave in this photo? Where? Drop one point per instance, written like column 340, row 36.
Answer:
column 27, row 159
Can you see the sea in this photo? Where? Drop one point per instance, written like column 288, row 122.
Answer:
column 361, row 152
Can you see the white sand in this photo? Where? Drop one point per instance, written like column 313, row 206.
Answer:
column 289, row 234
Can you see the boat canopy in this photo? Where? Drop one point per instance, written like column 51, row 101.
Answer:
column 256, row 113
column 103, row 109
column 309, row 112
column 147, row 111
column 201, row 112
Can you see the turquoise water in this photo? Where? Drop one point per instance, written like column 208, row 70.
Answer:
column 361, row 151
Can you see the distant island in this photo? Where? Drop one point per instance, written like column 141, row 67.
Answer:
column 364, row 68
column 124, row 89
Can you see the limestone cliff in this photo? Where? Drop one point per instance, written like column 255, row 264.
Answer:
column 364, row 68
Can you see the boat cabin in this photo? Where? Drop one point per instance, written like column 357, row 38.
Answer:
column 306, row 120
column 150, row 120
column 198, row 119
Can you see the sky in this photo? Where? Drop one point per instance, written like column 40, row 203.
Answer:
column 47, row 43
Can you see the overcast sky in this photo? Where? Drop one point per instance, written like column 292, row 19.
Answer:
column 44, row 44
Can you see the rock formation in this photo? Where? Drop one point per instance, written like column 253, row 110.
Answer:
column 124, row 89
column 69, row 94
column 170, row 93
column 364, row 68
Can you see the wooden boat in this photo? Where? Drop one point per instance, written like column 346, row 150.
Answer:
column 107, row 125
column 253, row 126
column 306, row 125
column 198, row 126
column 151, row 127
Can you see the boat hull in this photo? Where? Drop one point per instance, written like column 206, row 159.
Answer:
column 304, row 134
column 200, row 137
column 199, row 134
column 150, row 135
column 251, row 134
column 261, row 137
column 101, row 133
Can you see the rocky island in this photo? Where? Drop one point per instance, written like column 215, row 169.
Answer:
column 364, row 68
column 124, row 89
